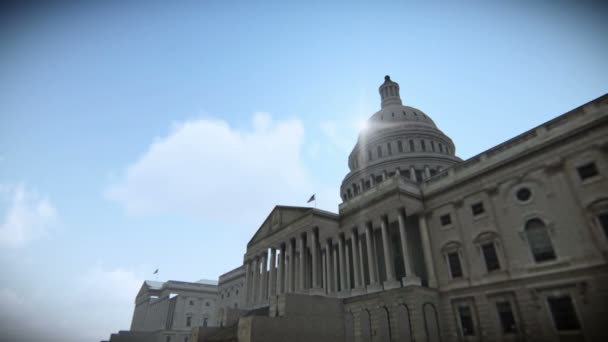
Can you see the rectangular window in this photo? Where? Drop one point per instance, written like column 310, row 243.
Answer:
column 603, row 219
column 455, row 266
column 477, row 208
column 507, row 318
column 540, row 241
column 423, row 145
column 564, row 315
column 400, row 146
column 369, row 155
column 432, row 145
column 440, row 148
column 188, row 321
column 445, row 219
column 390, row 148
column 466, row 321
column 490, row 256
column 379, row 151
column 412, row 146
column 587, row 171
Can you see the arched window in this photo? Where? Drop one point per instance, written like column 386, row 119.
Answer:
column 539, row 240
column 365, row 326
column 349, row 327
column 384, row 327
column 404, row 324
column 431, row 322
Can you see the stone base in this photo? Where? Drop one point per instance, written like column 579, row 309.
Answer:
column 358, row 291
column 344, row 294
column 408, row 281
column 392, row 284
column 374, row 288
column 316, row 292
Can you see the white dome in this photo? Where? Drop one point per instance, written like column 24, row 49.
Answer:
column 398, row 139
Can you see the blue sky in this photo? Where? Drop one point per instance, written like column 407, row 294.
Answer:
column 136, row 137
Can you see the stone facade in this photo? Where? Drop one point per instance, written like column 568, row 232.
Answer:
column 231, row 296
column 509, row 245
column 167, row 312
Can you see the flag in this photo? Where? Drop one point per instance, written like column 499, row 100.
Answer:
column 155, row 272
column 312, row 198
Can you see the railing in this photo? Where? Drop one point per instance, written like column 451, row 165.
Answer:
column 517, row 141
column 384, row 186
column 230, row 274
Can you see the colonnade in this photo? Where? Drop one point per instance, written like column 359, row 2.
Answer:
column 304, row 264
column 358, row 187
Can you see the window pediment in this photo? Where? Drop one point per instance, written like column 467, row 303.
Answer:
column 485, row 236
column 451, row 246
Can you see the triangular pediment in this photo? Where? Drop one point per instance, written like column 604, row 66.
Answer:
column 278, row 218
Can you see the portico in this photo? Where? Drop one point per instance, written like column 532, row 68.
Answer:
column 368, row 251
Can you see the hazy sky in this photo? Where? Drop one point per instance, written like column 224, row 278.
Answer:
column 136, row 137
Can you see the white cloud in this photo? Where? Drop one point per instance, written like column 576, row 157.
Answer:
column 28, row 215
column 331, row 131
column 340, row 134
column 208, row 169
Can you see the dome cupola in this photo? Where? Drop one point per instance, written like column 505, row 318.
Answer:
column 389, row 93
column 398, row 141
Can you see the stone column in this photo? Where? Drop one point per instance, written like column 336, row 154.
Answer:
column 292, row 267
column 413, row 173
column 354, row 238
column 372, row 181
column 347, row 263
column 315, row 263
column 341, row 260
column 262, row 286
column 301, row 247
column 247, row 281
column 281, row 270
column 272, row 281
column 335, row 273
column 410, row 275
column 256, row 278
column 324, row 267
column 428, row 253
column 361, row 261
column 427, row 171
column 371, row 260
column 362, row 184
column 390, row 282
column 330, row 269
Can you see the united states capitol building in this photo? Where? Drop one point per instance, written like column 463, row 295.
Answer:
column 509, row 245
